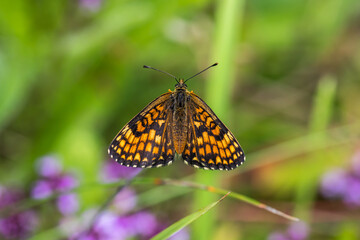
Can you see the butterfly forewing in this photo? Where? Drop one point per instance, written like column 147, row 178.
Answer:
column 146, row 140
column 210, row 144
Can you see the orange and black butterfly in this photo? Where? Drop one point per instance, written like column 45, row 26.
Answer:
column 177, row 122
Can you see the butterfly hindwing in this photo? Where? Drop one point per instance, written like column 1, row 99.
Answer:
column 210, row 144
column 146, row 140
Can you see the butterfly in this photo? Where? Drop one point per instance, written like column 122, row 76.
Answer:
column 178, row 123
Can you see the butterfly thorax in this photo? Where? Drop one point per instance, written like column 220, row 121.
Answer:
column 180, row 98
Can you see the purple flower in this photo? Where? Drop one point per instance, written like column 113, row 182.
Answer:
column 41, row 189
column 296, row 231
column 125, row 200
column 110, row 225
column 64, row 183
column 278, row 236
column 19, row 225
column 107, row 226
column 351, row 195
column 112, row 172
column 9, row 196
column 144, row 224
column 334, row 183
column 67, row 203
column 49, row 166
column 45, row 187
column 53, row 179
column 344, row 184
column 92, row 5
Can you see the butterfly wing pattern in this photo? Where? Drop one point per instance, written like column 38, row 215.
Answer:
column 210, row 144
column 177, row 122
column 146, row 140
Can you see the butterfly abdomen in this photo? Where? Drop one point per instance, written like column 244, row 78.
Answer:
column 180, row 121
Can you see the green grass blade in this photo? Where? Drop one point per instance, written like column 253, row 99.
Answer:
column 323, row 104
column 177, row 226
column 322, row 112
column 218, row 89
column 212, row 189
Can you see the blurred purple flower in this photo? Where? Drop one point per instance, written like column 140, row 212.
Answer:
column 49, row 166
column 9, row 196
column 334, row 183
column 41, row 189
column 125, row 200
column 278, row 236
column 19, row 225
column 351, row 195
column 112, row 172
column 144, row 224
column 64, row 182
column 344, row 184
column 54, row 180
column 296, row 231
column 47, row 186
column 112, row 226
column 92, row 5
column 67, row 203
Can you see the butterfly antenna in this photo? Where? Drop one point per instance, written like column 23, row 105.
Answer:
column 145, row 66
column 201, row 72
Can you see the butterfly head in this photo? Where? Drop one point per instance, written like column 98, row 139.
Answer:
column 181, row 84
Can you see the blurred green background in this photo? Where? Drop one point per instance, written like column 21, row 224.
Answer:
column 287, row 86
